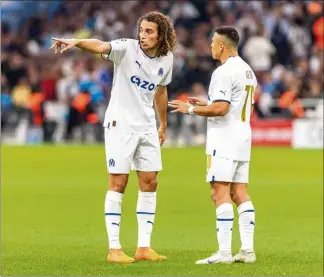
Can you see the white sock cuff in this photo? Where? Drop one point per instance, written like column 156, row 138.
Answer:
column 245, row 207
column 114, row 196
column 225, row 210
column 146, row 194
column 146, row 203
column 149, row 197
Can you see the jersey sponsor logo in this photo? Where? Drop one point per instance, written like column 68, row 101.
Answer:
column 160, row 73
column 142, row 83
column 222, row 91
column 111, row 163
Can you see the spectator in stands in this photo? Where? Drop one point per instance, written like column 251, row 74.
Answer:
column 14, row 68
column 6, row 102
column 289, row 104
column 291, row 38
column 21, row 93
column 259, row 52
column 315, row 89
column 81, row 111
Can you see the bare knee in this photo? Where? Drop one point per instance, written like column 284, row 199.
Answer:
column 149, row 185
column 220, row 193
column 239, row 193
column 118, row 182
column 147, row 181
column 233, row 196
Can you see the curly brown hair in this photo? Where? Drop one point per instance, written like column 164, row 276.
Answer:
column 166, row 31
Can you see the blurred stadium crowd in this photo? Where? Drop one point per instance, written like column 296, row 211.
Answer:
column 57, row 98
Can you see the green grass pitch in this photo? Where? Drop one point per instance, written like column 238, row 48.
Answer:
column 52, row 211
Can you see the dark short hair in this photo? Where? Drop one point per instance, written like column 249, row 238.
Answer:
column 230, row 33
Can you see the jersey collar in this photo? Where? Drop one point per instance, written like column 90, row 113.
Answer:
column 145, row 53
column 229, row 58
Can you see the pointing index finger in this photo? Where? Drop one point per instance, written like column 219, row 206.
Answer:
column 53, row 45
column 60, row 40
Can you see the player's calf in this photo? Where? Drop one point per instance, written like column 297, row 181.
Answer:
column 113, row 201
column 224, row 215
column 246, row 214
column 145, row 210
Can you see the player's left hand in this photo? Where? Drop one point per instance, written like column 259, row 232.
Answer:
column 180, row 107
column 162, row 135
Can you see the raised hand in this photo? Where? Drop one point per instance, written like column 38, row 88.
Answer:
column 65, row 43
column 197, row 101
column 179, row 106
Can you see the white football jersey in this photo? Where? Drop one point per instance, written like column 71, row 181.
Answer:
column 230, row 136
column 136, row 77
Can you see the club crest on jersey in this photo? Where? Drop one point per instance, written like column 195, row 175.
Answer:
column 111, row 163
column 160, row 72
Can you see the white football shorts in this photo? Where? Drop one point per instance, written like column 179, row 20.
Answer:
column 126, row 151
column 221, row 169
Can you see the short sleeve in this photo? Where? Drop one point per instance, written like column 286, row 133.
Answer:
column 168, row 76
column 221, row 87
column 118, row 50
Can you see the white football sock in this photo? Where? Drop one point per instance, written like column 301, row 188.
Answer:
column 225, row 217
column 246, row 225
column 112, row 216
column 145, row 210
